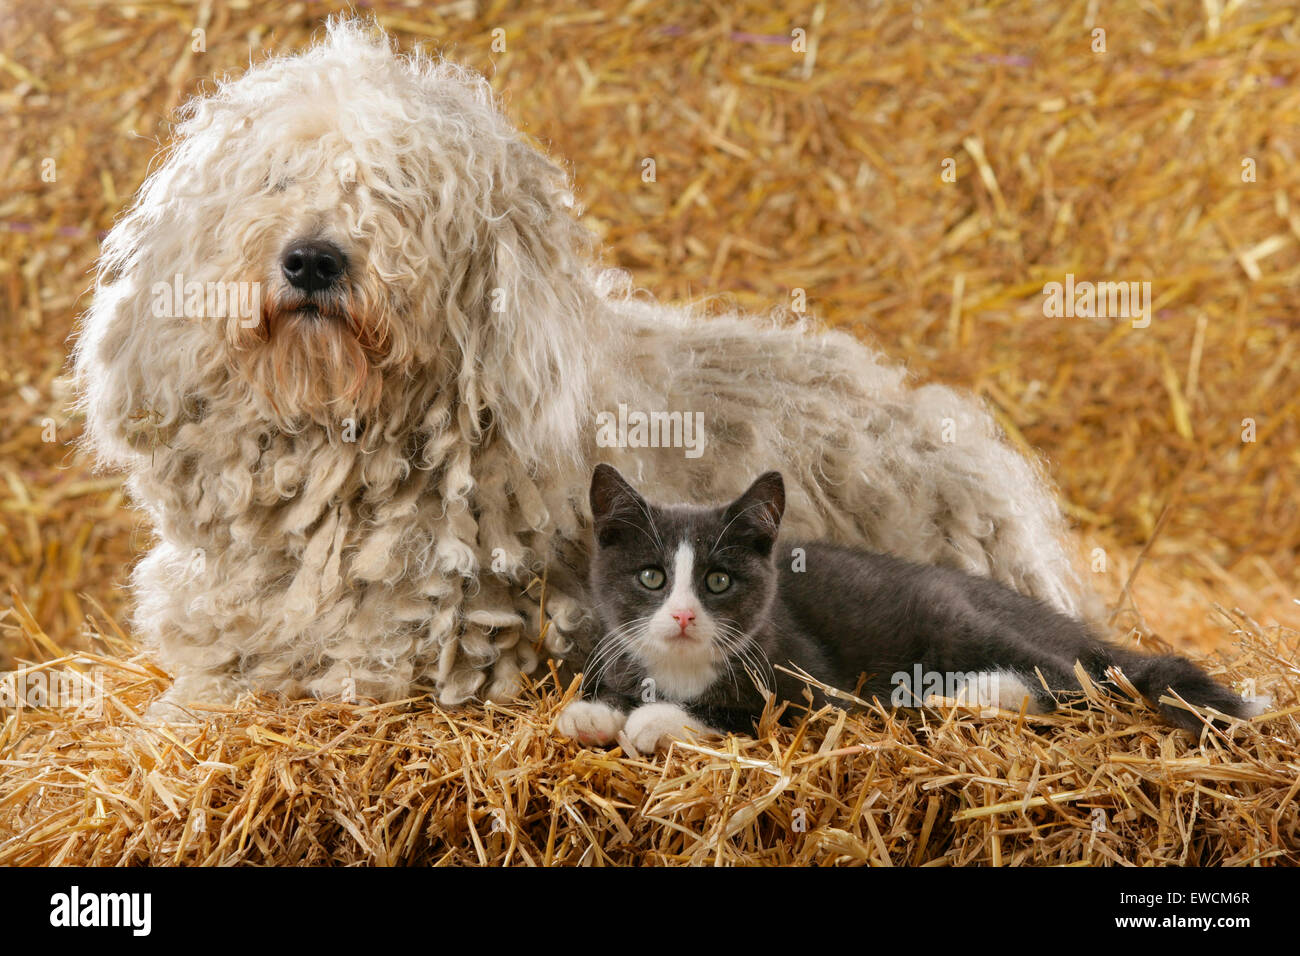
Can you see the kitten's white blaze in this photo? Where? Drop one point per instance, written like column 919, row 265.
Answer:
column 681, row 668
column 682, row 596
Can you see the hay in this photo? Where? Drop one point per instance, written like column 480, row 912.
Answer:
column 283, row 783
column 775, row 172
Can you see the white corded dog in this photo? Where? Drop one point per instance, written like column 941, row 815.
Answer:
column 351, row 349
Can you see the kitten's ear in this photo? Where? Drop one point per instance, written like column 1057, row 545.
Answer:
column 758, row 511
column 615, row 504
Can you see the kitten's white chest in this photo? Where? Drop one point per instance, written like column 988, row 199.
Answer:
column 681, row 680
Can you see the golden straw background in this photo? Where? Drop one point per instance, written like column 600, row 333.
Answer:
column 775, row 171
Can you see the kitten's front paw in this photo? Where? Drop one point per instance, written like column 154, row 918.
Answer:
column 653, row 726
column 590, row 722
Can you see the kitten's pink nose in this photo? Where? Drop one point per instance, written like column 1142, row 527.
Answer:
column 683, row 619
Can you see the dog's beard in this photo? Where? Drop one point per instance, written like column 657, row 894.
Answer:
column 314, row 358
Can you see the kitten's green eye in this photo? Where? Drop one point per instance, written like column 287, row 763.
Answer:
column 652, row 578
column 717, row 581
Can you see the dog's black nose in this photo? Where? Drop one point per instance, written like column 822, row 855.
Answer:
column 312, row 264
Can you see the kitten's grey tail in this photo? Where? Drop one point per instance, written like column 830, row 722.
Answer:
column 1157, row 675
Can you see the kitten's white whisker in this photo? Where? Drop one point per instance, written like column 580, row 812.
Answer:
column 645, row 510
column 735, row 644
column 611, row 646
column 653, row 539
column 749, row 651
column 598, row 674
column 736, row 517
column 608, row 649
column 727, row 651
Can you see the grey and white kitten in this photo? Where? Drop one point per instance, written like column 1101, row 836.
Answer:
column 694, row 606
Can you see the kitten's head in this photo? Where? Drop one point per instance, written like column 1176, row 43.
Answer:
column 682, row 587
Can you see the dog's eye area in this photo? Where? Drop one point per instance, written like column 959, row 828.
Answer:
column 653, row 578
column 717, row 581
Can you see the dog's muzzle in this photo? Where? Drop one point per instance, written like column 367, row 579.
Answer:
column 313, row 265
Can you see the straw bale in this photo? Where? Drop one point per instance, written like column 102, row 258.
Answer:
column 776, row 171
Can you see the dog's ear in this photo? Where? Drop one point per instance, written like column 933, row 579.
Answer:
column 137, row 372
column 615, row 505
column 529, row 328
column 755, row 517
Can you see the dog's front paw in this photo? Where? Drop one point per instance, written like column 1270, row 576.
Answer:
column 653, row 726
column 590, row 722
column 174, row 707
column 167, row 710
